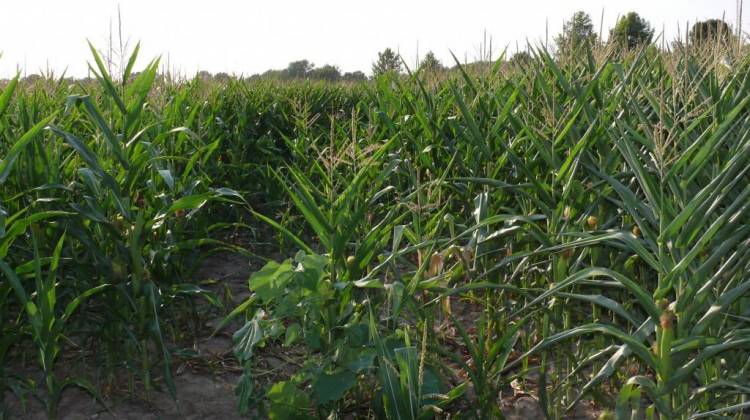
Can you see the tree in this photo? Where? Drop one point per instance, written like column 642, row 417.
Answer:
column 430, row 63
column 328, row 73
column 222, row 77
column 577, row 32
column 204, row 75
column 356, row 76
column 631, row 31
column 711, row 31
column 299, row 69
column 33, row 78
column 521, row 58
column 388, row 62
column 274, row 74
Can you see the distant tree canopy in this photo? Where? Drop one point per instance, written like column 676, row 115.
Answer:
column 299, row 69
column 306, row 70
column 631, row 31
column 33, row 78
column 577, row 32
column 273, row 74
column 328, row 73
column 355, row 76
column 204, row 75
column 222, row 76
column 711, row 31
column 521, row 58
column 430, row 63
column 388, row 62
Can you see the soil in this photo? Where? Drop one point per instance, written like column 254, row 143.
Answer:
column 200, row 396
column 205, row 382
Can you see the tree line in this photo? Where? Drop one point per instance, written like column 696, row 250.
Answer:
column 306, row 70
column 631, row 31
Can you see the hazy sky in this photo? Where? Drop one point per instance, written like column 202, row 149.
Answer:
column 252, row 36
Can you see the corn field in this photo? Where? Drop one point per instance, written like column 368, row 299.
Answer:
column 573, row 231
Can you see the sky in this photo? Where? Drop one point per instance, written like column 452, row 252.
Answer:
column 247, row 37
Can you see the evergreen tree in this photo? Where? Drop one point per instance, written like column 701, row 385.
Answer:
column 388, row 62
column 430, row 63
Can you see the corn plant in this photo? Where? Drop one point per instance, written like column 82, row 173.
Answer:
column 574, row 226
column 47, row 322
